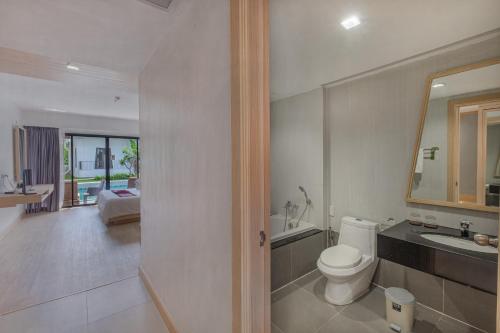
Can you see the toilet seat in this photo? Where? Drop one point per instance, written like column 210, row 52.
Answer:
column 341, row 257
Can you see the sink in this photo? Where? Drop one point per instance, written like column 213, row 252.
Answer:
column 459, row 243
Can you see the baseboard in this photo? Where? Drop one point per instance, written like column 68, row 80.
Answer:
column 167, row 319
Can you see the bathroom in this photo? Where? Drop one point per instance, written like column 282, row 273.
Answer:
column 361, row 127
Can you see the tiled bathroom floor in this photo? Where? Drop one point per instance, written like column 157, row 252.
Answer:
column 121, row 307
column 301, row 308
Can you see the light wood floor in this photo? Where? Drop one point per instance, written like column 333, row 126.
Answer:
column 49, row 256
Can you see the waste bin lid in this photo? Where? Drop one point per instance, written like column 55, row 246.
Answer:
column 399, row 295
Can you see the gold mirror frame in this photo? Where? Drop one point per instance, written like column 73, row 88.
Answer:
column 423, row 114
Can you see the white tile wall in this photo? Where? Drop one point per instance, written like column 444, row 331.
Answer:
column 373, row 124
column 297, row 153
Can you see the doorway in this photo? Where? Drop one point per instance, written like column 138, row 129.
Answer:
column 93, row 163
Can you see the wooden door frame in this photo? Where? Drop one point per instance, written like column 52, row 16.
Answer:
column 250, row 131
column 484, row 103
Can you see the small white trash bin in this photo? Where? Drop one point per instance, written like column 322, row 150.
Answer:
column 400, row 309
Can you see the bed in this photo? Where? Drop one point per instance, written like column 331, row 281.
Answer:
column 119, row 210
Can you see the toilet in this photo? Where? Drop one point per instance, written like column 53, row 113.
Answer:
column 349, row 266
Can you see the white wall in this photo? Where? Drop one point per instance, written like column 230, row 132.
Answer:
column 81, row 124
column 373, row 124
column 9, row 117
column 186, row 167
column 297, row 153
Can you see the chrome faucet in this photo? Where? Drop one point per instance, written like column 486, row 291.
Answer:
column 464, row 227
column 287, row 206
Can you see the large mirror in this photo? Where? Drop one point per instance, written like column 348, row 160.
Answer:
column 457, row 156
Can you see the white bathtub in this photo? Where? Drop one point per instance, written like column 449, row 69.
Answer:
column 277, row 223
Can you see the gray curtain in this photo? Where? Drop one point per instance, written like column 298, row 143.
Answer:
column 43, row 160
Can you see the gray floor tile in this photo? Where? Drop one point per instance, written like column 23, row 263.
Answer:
column 368, row 311
column 55, row 316
column 448, row 325
column 143, row 318
column 368, row 315
column 308, row 280
column 283, row 292
column 426, row 320
column 295, row 310
column 315, row 283
column 275, row 329
column 108, row 300
column 343, row 324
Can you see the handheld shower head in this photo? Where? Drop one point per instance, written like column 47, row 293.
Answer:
column 308, row 201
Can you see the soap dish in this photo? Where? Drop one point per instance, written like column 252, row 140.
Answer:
column 482, row 240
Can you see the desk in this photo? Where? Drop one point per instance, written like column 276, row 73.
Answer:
column 41, row 192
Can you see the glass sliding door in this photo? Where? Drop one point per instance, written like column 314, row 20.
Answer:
column 93, row 163
column 123, row 163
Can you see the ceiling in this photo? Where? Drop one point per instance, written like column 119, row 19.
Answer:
column 115, row 34
column 107, row 39
column 472, row 81
column 80, row 97
column 112, row 39
column 309, row 47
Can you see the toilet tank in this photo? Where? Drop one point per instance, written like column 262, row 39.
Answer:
column 361, row 234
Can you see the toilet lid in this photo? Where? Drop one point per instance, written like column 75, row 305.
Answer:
column 341, row 256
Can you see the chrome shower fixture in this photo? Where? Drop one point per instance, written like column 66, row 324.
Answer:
column 301, row 188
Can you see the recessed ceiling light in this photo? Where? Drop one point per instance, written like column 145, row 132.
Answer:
column 72, row 67
column 350, row 22
column 54, row 110
column 438, row 85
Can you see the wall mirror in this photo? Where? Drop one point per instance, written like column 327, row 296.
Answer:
column 457, row 153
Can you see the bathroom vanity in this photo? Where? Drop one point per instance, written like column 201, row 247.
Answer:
column 447, row 255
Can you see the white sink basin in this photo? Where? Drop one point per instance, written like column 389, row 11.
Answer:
column 459, row 243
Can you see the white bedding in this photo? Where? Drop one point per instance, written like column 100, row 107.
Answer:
column 110, row 205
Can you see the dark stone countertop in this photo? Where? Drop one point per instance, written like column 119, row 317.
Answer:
column 403, row 244
column 410, row 233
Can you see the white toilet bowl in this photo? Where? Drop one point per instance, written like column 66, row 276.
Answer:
column 349, row 266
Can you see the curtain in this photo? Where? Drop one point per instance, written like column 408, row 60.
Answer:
column 44, row 162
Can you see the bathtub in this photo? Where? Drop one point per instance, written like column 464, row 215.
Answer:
column 276, row 225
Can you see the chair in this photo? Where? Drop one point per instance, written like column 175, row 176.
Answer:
column 132, row 182
column 94, row 191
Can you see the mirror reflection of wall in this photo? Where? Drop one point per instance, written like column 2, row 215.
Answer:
column 457, row 159
column 493, row 158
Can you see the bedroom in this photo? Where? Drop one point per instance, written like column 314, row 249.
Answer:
column 69, row 130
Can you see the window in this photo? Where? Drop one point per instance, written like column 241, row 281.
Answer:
column 91, row 159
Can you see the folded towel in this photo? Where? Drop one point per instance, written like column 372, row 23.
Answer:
column 123, row 193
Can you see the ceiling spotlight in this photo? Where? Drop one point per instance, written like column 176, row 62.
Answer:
column 350, row 22
column 438, row 85
column 72, row 67
column 54, row 110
